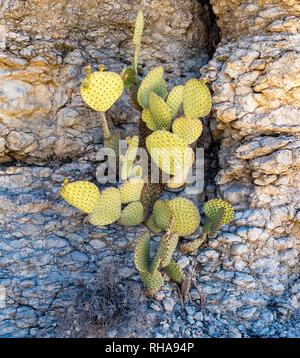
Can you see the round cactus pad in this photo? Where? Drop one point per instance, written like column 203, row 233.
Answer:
column 100, row 90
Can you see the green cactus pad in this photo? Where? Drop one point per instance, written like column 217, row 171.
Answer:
column 151, row 224
column 216, row 221
column 153, row 282
column 142, row 253
column 159, row 111
column 186, row 216
column 128, row 77
column 162, row 214
column 131, row 190
column 174, row 100
column 132, row 214
column 151, row 83
column 191, row 246
column 171, row 244
column 108, row 208
column 169, row 152
column 212, row 206
column 138, row 29
column 196, row 99
column 83, row 195
column 114, row 142
column 130, row 156
column 188, row 129
column 100, row 90
column 174, row 271
column 148, row 119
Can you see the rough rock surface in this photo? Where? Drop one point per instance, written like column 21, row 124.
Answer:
column 249, row 273
column 45, row 47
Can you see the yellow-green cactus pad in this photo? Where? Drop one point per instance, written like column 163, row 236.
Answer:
column 132, row 214
column 142, row 253
column 100, row 90
column 153, row 282
column 162, row 214
column 174, row 100
column 171, row 244
column 148, row 119
column 191, row 246
column 151, row 224
column 130, row 156
column 159, row 111
column 196, row 99
column 212, row 206
column 108, row 208
column 169, row 152
column 174, row 271
column 187, row 128
column 83, row 195
column 131, row 190
column 151, row 83
column 186, row 216
column 216, row 222
column 138, row 29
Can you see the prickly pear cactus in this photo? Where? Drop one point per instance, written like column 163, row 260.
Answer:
column 186, row 216
column 83, row 195
column 169, row 152
column 153, row 82
column 159, row 111
column 131, row 190
column 100, row 90
column 196, row 99
column 187, row 128
column 108, row 208
column 212, row 206
column 174, row 100
column 132, row 214
column 174, row 271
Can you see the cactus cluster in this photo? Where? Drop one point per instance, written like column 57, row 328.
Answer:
column 150, row 270
column 173, row 124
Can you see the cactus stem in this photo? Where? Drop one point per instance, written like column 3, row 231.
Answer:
column 105, row 128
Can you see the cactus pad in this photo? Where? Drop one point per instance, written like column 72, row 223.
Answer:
column 162, row 214
column 186, row 216
column 131, row 190
column 169, row 152
column 142, row 253
column 138, row 29
column 132, row 214
column 216, row 222
column 212, row 206
column 108, row 208
column 196, row 99
column 188, row 129
column 83, row 195
column 129, row 158
column 148, row 119
column 153, row 82
column 174, row 271
column 191, row 246
column 153, row 282
column 174, row 100
column 100, row 90
column 159, row 111
column 151, row 224
column 171, row 241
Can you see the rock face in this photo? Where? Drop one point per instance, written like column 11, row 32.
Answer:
column 249, row 272
column 44, row 48
column 255, row 76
